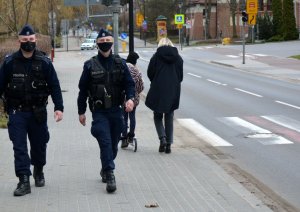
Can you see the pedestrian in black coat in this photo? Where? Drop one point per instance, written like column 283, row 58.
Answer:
column 165, row 71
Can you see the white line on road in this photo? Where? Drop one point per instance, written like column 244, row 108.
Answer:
column 241, row 122
column 248, row 92
column 265, row 137
column 203, row 133
column 261, row 55
column 284, row 121
column 287, row 104
column 209, row 80
column 232, row 56
column 194, row 75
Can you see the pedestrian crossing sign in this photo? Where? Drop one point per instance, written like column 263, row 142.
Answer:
column 179, row 19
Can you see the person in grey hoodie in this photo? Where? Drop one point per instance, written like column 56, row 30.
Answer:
column 165, row 72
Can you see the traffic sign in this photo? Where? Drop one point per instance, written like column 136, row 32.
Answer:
column 252, row 6
column 179, row 26
column 139, row 19
column 123, row 36
column 252, row 18
column 179, row 19
column 144, row 25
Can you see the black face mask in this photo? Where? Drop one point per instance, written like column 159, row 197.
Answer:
column 28, row 46
column 105, row 46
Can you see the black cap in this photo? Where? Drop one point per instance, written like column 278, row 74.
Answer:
column 27, row 30
column 103, row 33
column 132, row 58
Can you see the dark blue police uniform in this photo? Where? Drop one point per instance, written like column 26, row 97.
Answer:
column 26, row 84
column 106, row 83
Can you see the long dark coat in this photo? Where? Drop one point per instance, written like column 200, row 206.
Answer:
column 165, row 71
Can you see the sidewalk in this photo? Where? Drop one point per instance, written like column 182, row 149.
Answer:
column 185, row 180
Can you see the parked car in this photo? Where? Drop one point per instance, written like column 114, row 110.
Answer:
column 88, row 44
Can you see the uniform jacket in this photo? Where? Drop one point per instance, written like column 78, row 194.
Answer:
column 165, row 71
column 138, row 80
column 85, row 80
column 49, row 72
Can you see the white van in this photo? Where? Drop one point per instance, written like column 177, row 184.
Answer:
column 88, row 44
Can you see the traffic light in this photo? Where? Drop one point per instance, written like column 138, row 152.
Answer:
column 244, row 16
column 107, row 2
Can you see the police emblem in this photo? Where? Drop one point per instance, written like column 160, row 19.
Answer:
column 27, row 33
column 103, row 34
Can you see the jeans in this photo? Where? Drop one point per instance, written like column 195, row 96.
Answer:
column 131, row 116
column 106, row 128
column 164, row 130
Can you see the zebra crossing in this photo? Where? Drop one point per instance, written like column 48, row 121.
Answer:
column 265, row 130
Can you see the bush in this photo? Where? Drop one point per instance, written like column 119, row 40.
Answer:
column 265, row 27
column 276, row 38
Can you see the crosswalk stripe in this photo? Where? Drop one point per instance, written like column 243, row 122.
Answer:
column 265, row 136
column 203, row 133
column 240, row 122
column 284, row 121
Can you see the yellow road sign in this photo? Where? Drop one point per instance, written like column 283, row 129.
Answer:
column 179, row 26
column 252, row 6
column 139, row 18
column 251, row 18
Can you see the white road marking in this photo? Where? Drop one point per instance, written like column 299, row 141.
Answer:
column 248, row 92
column 261, row 55
column 203, row 133
column 284, row 121
column 241, row 122
column 214, row 81
column 265, row 137
column 194, row 75
column 200, row 48
column 232, row 56
column 287, row 104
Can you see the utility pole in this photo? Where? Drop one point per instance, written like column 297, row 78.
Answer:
column 115, row 10
column 131, row 26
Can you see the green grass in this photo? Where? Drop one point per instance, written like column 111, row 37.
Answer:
column 296, row 57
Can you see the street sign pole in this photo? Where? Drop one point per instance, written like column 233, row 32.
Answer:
column 243, row 34
column 115, row 8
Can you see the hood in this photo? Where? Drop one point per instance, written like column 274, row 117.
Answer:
column 168, row 54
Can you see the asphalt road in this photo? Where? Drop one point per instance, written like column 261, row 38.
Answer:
column 253, row 120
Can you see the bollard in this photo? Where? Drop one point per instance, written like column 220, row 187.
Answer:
column 123, row 46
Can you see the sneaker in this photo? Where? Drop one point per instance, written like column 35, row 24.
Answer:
column 130, row 140
column 111, row 182
column 23, row 186
column 103, row 176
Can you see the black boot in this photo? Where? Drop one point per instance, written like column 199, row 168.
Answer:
column 124, row 142
column 103, row 176
column 111, row 182
column 23, row 186
column 38, row 176
column 168, row 149
column 162, row 145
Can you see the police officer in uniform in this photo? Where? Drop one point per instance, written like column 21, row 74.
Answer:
column 105, row 82
column 27, row 78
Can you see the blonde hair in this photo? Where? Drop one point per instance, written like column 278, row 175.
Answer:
column 165, row 42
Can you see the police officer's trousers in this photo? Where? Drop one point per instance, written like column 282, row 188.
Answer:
column 106, row 127
column 21, row 125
